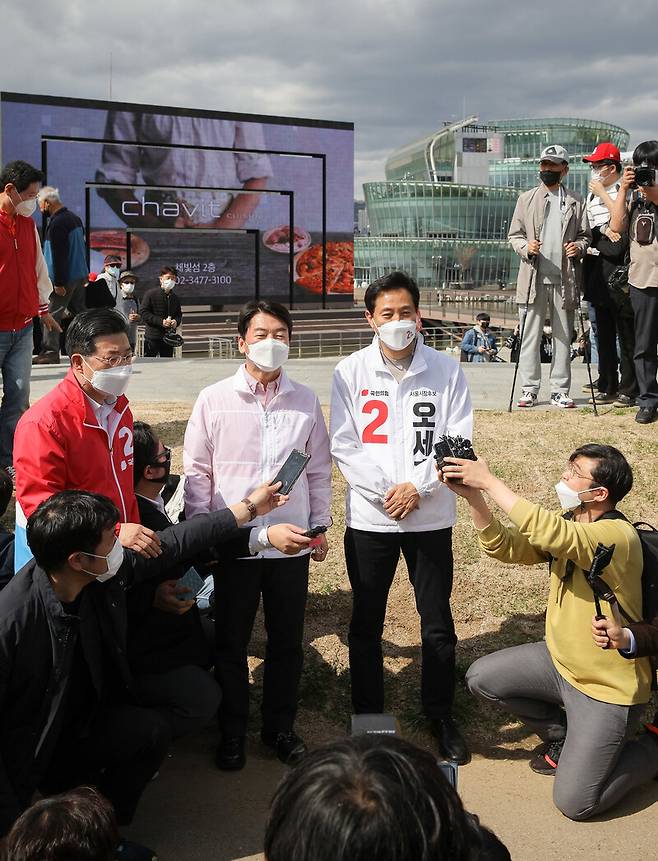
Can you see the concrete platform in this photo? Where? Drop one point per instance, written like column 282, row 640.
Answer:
column 181, row 380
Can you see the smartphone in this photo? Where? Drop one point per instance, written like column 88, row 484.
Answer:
column 291, row 470
column 193, row 584
column 313, row 533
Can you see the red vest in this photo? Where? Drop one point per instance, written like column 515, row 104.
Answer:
column 19, row 294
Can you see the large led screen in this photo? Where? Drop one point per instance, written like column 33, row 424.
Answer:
column 223, row 209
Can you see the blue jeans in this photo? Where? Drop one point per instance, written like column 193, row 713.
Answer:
column 16, row 364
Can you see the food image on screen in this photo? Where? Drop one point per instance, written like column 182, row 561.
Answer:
column 278, row 239
column 114, row 242
column 340, row 268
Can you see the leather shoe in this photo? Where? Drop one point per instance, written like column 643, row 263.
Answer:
column 50, row 357
column 289, row 747
column 646, row 415
column 450, row 741
column 230, row 755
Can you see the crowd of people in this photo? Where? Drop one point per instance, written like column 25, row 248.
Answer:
column 106, row 657
column 602, row 250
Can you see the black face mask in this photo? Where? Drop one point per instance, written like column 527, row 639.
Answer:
column 550, row 177
column 167, row 469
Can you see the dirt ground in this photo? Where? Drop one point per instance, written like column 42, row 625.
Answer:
column 493, row 607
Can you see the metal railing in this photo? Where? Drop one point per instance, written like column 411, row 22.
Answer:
column 321, row 344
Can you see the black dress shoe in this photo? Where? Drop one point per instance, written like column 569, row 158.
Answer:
column 450, row 741
column 230, row 755
column 289, row 747
column 646, row 415
column 129, row 851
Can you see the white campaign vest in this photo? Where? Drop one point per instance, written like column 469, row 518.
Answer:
column 383, row 432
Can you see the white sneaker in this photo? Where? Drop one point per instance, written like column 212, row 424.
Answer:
column 562, row 400
column 527, row 399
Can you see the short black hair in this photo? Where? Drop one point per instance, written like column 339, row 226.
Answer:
column 647, row 152
column 368, row 797
column 275, row 309
column 71, row 521
column 79, row 825
column 612, row 470
column 20, row 174
column 88, row 325
column 169, row 270
column 483, row 316
column 392, row 281
column 145, row 449
column 6, row 490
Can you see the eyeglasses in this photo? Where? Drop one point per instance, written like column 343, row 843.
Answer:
column 166, row 454
column 115, row 361
column 573, row 473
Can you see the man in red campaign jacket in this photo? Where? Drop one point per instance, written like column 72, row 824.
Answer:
column 80, row 435
column 24, row 291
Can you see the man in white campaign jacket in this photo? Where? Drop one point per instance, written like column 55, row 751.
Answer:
column 390, row 402
column 242, row 427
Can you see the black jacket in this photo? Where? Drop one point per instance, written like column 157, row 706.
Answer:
column 599, row 267
column 159, row 641
column 99, row 293
column 156, row 307
column 38, row 643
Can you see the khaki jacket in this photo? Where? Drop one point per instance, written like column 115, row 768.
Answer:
column 527, row 223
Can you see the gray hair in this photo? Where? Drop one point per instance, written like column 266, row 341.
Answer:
column 49, row 193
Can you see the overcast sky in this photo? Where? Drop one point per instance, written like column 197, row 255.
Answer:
column 395, row 69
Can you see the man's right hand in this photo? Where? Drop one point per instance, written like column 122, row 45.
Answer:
column 627, row 179
column 533, row 247
column 60, row 291
column 287, row 538
column 134, row 536
column 608, row 634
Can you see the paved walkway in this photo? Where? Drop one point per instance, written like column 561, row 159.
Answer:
column 193, row 812
column 181, row 380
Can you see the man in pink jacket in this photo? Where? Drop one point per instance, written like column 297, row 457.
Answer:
column 241, row 431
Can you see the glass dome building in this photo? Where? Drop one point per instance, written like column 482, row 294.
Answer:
column 444, row 211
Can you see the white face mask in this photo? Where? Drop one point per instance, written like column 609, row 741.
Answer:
column 268, row 354
column 111, row 381
column 397, row 334
column 570, row 499
column 128, row 289
column 168, row 285
column 25, row 207
column 548, row 330
column 113, row 560
column 595, row 176
column 114, row 271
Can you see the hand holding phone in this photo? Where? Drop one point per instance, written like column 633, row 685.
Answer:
column 295, row 464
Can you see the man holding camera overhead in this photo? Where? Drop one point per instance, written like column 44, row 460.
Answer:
column 639, row 218
column 390, row 403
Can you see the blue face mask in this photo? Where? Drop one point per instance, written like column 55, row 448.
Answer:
column 114, row 271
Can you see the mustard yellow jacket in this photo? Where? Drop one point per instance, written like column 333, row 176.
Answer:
column 538, row 536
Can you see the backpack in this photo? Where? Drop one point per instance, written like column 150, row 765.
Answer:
column 648, row 536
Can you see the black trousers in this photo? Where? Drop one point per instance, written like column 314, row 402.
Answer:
column 157, row 348
column 645, row 307
column 612, row 323
column 187, row 696
column 283, row 583
column 120, row 755
column 372, row 558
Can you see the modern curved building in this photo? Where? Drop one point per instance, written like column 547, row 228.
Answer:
column 444, row 211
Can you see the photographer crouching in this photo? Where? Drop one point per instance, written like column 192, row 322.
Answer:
column 584, row 702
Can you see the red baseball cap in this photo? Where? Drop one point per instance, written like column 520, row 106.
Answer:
column 605, row 151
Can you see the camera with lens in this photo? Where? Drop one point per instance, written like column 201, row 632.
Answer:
column 645, row 176
column 452, row 446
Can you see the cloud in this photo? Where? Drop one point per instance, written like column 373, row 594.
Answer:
column 396, row 70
